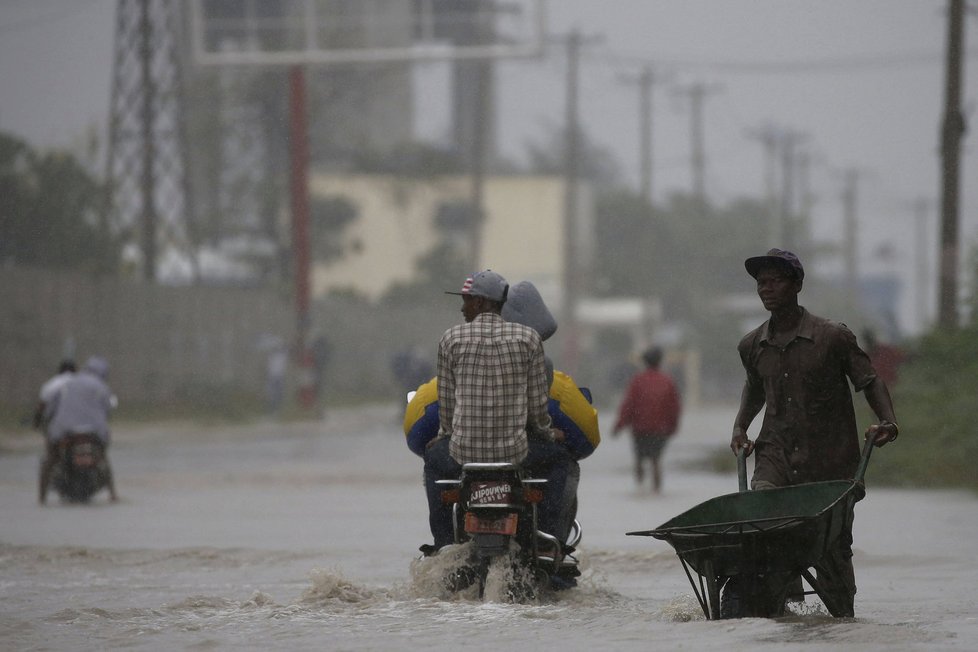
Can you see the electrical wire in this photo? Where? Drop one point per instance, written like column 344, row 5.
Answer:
column 846, row 64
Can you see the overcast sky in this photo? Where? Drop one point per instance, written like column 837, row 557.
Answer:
column 862, row 79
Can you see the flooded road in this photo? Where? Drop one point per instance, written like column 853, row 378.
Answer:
column 305, row 536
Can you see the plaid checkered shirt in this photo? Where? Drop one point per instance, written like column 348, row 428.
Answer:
column 492, row 390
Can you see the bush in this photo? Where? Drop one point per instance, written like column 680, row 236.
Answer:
column 935, row 403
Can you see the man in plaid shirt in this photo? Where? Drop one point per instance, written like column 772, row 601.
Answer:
column 492, row 403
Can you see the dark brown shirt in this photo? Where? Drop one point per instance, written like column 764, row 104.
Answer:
column 809, row 430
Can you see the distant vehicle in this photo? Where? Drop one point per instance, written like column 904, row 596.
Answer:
column 81, row 468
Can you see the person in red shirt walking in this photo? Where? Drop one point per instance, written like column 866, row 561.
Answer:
column 651, row 408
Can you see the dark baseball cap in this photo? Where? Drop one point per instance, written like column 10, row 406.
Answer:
column 776, row 258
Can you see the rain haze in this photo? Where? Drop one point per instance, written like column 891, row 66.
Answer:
column 860, row 83
column 264, row 509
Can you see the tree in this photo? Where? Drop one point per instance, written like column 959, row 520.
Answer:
column 50, row 209
column 329, row 216
column 441, row 267
column 675, row 252
column 596, row 163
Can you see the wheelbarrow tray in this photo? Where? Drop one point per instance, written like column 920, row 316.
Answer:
column 758, row 532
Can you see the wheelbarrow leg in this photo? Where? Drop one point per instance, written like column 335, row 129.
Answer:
column 831, row 602
column 712, row 591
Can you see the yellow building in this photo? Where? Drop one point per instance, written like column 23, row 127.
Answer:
column 397, row 223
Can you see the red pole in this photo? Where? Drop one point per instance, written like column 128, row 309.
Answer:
column 299, row 186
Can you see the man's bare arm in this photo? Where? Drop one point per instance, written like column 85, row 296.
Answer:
column 878, row 397
column 751, row 402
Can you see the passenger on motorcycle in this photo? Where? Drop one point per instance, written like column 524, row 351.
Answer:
column 81, row 404
column 492, row 404
column 568, row 405
column 66, row 369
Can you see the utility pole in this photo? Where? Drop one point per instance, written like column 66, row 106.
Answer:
column 789, row 140
column 805, row 200
column 148, row 114
column 767, row 135
column 780, row 151
column 645, row 81
column 483, row 72
column 850, row 233
column 952, row 132
column 475, row 118
column 697, row 93
column 572, row 286
column 299, row 194
column 570, row 198
column 145, row 162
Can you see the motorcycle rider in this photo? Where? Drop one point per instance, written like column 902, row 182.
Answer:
column 50, row 388
column 492, row 404
column 81, row 404
column 569, row 406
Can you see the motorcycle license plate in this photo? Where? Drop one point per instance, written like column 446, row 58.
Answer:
column 485, row 525
column 83, row 456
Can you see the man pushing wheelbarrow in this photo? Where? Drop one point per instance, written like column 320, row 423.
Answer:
column 757, row 545
column 797, row 365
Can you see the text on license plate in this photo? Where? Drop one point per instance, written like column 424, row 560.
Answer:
column 501, row 525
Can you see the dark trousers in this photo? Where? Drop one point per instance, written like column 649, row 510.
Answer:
column 439, row 465
column 545, row 459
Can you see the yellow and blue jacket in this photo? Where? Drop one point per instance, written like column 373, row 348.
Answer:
column 569, row 407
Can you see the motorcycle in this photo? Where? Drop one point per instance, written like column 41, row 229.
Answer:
column 494, row 508
column 81, row 467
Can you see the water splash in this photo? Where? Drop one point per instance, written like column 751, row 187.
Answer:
column 682, row 609
column 330, row 587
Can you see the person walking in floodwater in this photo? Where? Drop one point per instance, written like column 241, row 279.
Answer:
column 651, row 408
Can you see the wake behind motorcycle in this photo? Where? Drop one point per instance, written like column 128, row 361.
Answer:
column 494, row 506
column 81, row 467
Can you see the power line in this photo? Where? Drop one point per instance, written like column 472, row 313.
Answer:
column 847, row 64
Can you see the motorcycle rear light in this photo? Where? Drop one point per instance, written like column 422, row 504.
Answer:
column 450, row 496
column 532, row 495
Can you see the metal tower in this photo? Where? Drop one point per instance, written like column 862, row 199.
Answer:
column 145, row 161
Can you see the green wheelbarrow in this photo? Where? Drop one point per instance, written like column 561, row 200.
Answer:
column 759, row 536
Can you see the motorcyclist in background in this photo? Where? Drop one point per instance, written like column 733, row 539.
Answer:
column 80, row 404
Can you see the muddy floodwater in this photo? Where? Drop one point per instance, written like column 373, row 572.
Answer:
column 304, row 537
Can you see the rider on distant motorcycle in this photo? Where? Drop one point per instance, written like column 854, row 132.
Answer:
column 81, row 404
column 49, row 389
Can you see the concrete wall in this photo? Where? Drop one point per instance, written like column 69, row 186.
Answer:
column 166, row 342
column 160, row 341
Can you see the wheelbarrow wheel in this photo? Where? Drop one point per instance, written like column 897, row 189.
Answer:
column 731, row 605
column 753, row 596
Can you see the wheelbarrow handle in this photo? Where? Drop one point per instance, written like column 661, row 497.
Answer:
column 860, row 472
column 864, row 460
column 742, row 468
